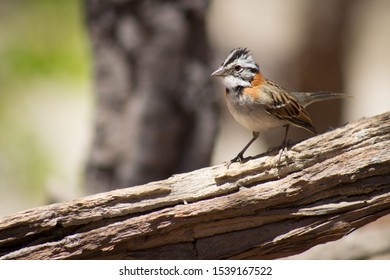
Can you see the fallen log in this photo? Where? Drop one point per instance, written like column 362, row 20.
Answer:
column 320, row 190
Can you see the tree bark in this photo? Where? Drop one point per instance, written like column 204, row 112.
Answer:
column 319, row 191
column 156, row 109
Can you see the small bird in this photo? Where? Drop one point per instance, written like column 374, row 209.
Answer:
column 259, row 104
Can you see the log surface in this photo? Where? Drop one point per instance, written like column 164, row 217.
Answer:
column 321, row 190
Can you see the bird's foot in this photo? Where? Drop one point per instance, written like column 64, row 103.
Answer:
column 282, row 150
column 239, row 158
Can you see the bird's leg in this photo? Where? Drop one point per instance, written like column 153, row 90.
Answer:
column 284, row 143
column 240, row 156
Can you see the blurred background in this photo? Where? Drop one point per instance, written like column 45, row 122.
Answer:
column 54, row 69
column 45, row 101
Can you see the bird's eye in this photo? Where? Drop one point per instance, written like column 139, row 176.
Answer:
column 237, row 68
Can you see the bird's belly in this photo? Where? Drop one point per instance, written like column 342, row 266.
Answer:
column 254, row 117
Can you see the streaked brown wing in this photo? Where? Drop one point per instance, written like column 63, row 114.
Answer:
column 286, row 107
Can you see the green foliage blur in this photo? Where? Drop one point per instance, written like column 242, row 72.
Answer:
column 44, row 60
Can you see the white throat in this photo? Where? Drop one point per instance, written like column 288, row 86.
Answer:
column 231, row 82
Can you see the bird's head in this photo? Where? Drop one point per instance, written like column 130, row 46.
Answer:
column 238, row 69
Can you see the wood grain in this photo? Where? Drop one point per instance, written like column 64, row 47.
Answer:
column 321, row 190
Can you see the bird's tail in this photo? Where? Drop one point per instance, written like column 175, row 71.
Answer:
column 307, row 98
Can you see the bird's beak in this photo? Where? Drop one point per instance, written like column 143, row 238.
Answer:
column 219, row 72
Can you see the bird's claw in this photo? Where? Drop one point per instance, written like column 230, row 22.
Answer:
column 239, row 158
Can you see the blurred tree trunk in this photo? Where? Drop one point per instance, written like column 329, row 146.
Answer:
column 322, row 58
column 319, row 64
column 156, row 110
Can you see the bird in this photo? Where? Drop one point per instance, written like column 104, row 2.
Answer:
column 260, row 104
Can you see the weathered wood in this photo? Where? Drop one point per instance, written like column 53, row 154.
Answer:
column 322, row 189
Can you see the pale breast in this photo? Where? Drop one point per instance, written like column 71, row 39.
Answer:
column 251, row 114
